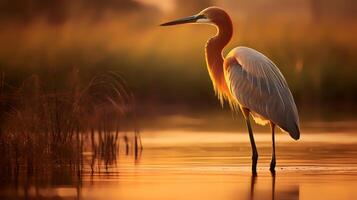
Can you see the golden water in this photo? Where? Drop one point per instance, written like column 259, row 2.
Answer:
column 185, row 164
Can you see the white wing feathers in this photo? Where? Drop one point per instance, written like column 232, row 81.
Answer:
column 257, row 84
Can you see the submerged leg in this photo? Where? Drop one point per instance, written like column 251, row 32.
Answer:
column 252, row 143
column 273, row 186
column 252, row 185
column 273, row 162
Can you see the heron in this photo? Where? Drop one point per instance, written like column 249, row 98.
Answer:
column 248, row 80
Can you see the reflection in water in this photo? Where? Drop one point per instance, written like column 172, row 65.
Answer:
column 206, row 166
column 100, row 152
column 291, row 193
column 252, row 184
column 273, row 186
column 105, row 149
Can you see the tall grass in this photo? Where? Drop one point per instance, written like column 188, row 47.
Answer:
column 46, row 126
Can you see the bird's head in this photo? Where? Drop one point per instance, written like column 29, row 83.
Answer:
column 210, row 15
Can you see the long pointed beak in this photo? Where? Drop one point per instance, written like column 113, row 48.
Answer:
column 190, row 19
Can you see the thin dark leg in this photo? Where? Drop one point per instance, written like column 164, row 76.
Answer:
column 273, row 162
column 254, row 148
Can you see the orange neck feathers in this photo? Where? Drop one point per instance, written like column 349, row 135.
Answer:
column 214, row 55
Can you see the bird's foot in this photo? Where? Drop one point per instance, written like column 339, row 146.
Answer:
column 254, row 172
column 272, row 171
column 272, row 166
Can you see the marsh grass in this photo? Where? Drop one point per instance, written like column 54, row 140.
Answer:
column 47, row 127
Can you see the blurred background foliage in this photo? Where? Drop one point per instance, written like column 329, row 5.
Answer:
column 314, row 43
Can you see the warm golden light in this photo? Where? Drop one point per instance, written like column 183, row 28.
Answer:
column 98, row 101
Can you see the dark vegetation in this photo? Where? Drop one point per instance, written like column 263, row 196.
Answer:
column 46, row 126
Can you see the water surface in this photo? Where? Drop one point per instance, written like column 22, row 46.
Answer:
column 186, row 164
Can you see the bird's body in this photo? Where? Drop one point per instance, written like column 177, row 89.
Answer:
column 247, row 79
column 257, row 84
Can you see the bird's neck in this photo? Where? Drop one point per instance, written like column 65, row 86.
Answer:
column 215, row 59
